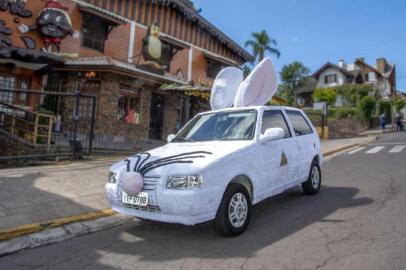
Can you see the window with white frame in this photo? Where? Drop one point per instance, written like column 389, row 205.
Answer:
column 331, row 78
column 12, row 82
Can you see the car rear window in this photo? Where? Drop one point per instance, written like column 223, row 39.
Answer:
column 300, row 125
column 273, row 119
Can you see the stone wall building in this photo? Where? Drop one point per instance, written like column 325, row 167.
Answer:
column 151, row 63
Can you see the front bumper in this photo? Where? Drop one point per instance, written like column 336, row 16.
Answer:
column 187, row 207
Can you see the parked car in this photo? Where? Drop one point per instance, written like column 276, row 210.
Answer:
column 219, row 165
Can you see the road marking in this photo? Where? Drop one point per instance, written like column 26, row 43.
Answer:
column 356, row 150
column 375, row 150
column 393, row 143
column 397, row 149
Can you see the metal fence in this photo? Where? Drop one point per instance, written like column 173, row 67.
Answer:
column 319, row 120
column 40, row 124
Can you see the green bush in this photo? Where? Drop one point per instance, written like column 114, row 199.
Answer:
column 346, row 112
column 328, row 95
column 385, row 108
column 352, row 94
column 331, row 113
column 366, row 108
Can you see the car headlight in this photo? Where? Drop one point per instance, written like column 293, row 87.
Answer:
column 112, row 177
column 184, row 182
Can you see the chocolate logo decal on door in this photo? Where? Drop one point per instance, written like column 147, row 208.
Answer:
column 284, row 160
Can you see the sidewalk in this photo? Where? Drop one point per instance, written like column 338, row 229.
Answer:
column 41, row 194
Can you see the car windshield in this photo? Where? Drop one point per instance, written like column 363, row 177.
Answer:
column 224, row 126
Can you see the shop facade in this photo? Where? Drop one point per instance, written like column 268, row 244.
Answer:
column 151, row 63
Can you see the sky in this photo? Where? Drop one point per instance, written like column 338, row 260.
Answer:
column 318, row 31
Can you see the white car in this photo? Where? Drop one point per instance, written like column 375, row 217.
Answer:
column 219, row 165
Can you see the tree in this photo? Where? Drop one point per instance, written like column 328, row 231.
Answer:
column 328, row 95
column 261, row 44
column 366, row 108
column 385, row 107
column 293, row 76
column 246, row 69
column 352, row 94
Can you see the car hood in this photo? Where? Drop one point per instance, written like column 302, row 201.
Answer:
column 187, row 157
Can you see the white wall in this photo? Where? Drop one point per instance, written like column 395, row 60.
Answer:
column 330, row 71
column 384, row 87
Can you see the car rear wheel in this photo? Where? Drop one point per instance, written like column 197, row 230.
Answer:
column 234, row 212
column 313, row 183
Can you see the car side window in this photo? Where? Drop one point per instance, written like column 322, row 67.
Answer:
column 274, row 119
column 300, row 125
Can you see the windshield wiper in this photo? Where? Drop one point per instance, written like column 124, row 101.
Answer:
column 182, row 139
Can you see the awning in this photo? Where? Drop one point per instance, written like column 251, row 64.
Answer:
column 218, row 58
column 181, row 87
column 110, row 17
column 175, row 43
column 108, row 64
column 201, row 92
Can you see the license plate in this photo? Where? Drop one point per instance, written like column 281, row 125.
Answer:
column 140, row 200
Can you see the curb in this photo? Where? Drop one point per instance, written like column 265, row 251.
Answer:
column 332, row 152
column 60, row 234
column 38, row 227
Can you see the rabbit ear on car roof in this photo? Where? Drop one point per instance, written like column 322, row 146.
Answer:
column 259, row 87
column 230, row 88
column 225, row 88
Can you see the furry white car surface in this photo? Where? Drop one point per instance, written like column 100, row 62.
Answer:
column 215, row 162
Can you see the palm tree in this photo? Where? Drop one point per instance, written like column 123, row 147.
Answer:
column 261, row 44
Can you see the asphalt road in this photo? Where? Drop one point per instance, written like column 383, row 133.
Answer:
column 358, row 221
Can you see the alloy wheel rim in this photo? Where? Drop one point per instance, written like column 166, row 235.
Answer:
column 238, row 210
column 315, row 178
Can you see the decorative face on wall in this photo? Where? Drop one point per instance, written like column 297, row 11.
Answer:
column 154, row 31
column 152, row 47
column 54, row 23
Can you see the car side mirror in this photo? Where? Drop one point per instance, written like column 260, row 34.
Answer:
column 272, row 134
column 171, row 137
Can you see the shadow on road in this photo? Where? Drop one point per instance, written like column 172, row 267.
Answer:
column 272, row 220
column 150, row 242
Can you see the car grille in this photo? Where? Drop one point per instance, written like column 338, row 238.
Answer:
column 148, row 208
column 150, row 185
column 150, row 182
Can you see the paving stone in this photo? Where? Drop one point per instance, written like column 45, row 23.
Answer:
column 21, row 210
column 12, row 221
column 42, row 216
column 15, row 203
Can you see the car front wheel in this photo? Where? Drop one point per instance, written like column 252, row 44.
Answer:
column 234, row 212
column 313, row 183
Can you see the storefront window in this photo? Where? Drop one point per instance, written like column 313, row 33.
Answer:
column 95, row 31
column 129, row 105
column 11, row 82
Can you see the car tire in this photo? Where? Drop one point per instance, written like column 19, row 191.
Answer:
column 313, row 183
column 234, row 212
